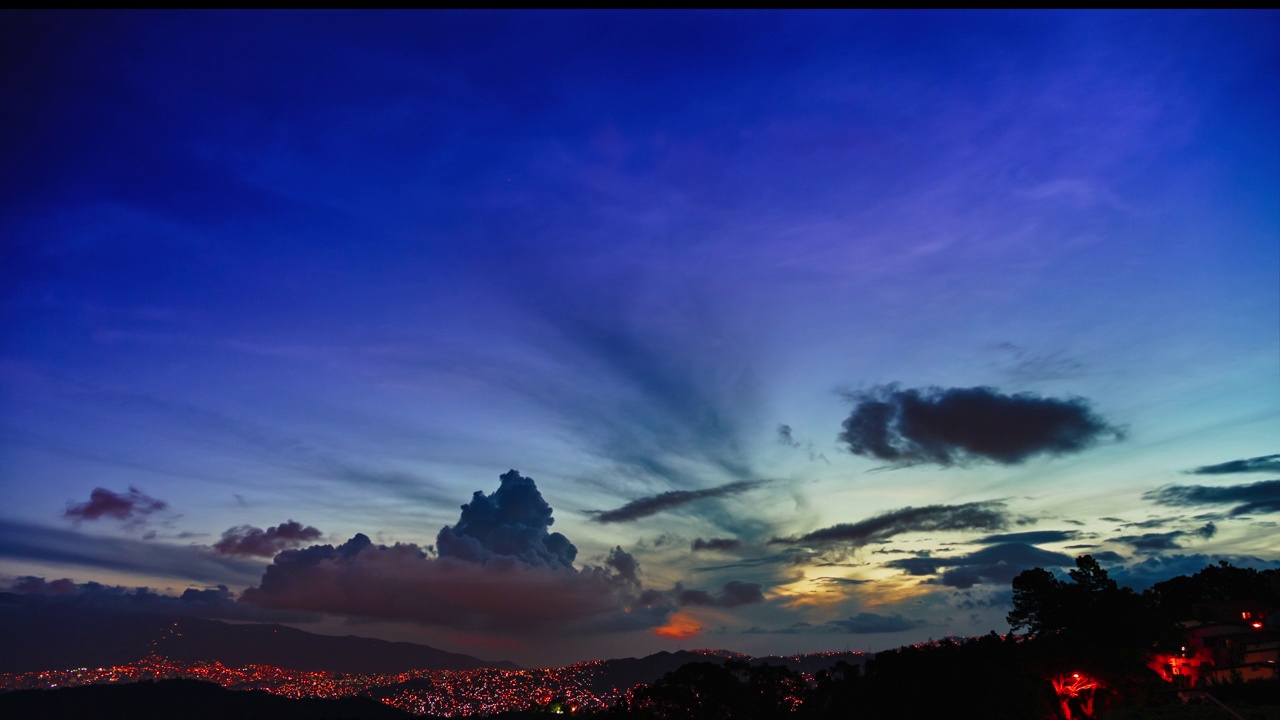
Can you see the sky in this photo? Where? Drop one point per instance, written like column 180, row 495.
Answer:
column 559, row 335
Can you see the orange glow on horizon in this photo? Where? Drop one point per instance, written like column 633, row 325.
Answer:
column 680, row 627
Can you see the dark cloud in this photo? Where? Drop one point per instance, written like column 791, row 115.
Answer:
column 1152, row 542
column 1151, row 523
column 132, row 507
column 48, row 545
column 982, row 598
column 717, row 544
column 794, row 628
column 734, row 594
column 989, row 515
column 920, row 565
column 785, row 437
column 510, row 523
column 1262, row 463
column 1259, row 497
column 997, row 564
column 247, row 541
column 840, row 581
column 213, row 602
column 654, row 504
column 1033, row 537
column 1157, row 542
column 865, row 623
column 1108, row 557
column 790, row 556
column 961, row 426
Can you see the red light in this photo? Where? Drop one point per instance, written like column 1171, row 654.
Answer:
column 1257, row 625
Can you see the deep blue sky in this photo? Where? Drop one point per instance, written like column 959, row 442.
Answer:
column 811, row 328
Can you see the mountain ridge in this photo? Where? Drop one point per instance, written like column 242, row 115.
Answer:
column 56, row 640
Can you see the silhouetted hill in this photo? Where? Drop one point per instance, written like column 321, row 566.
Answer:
column 40, row 640
column 623, row 673
column 187, row 699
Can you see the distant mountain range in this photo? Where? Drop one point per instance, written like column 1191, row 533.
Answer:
column 58, row 640
column 188, row 699
column 43, row 638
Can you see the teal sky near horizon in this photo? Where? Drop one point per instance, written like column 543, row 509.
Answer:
column 812, row 328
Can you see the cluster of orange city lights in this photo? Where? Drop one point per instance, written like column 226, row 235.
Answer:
column 448, row 693
column 438, row 692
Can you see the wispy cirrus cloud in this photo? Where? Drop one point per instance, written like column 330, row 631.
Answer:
column 1262, row 463
column 989, row 515
column 26, row 541
column 654, row 504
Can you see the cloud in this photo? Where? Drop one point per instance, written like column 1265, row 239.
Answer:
column 997, row 564
column 1259, row 497
column 785, row 437
column 716, row 544
column 734, row 594
column 510, row 523
column 865, row 623
column 654, row 504
column 402, row 582
column 1033, row 537
column 962, row 426
column 49, row 545
column 132, row 507
column 247, row 541
column 794, row 628
column 1149, row 523
column 1022, row 365
column 497, row 569
column 1262, row 463
column 660, row 403
column 990, row 515
column 1156, row 542
column 216, row 602
column 839, row 581
column 1107, row 556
